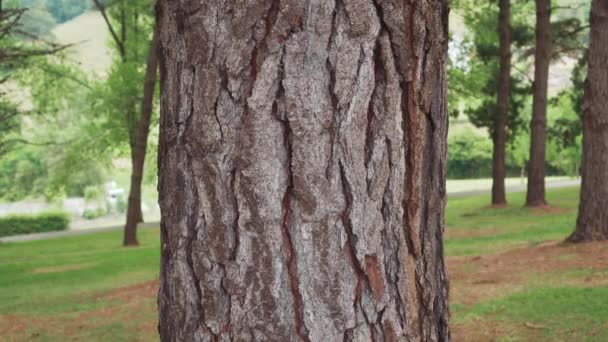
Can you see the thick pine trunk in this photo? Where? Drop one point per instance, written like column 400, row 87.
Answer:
column 536, row 167
column 592, row 222
column 302, row 170
column 134, row 214
column 504, row 86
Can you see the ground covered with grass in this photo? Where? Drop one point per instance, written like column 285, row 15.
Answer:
column 511, row 278
column 85, row 288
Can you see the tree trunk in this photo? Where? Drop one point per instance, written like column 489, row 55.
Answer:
column 302, row 170
column 500, row 128
column 592, row 222
column 134, row 214
column 536, row 167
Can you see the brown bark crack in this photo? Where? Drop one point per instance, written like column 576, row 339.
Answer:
column 291, row 258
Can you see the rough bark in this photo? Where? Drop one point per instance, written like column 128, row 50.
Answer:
column 592, row 222
column 536, row 166
column 500, row 128
column 302, row 170
column 134, row 214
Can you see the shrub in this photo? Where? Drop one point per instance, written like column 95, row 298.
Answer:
column 90, row 214
column 93, row 193
column 470, row 157
column 38, row 223
column 121, row 205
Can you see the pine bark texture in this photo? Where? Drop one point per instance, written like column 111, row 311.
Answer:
column 542, row 57
column 504, row 88
column 138, row 151
column 592, row 222
column 302, row 170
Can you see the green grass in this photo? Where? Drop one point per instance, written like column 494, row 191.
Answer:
column 548, row 307
column 50, row 276
column 57, row 286
column 560, row 313
column 473, row 228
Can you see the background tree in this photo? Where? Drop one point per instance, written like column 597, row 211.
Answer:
column 301, row 138
column 43, row 107
column 476, row 81
column 140, row 147
column 130, row 25
column 65, row 139
column 592, row 221
column 16, row 55
column 473, row 85
column 535, row 195
column 502, row 101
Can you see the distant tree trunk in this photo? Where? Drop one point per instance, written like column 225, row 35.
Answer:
column 302, row 166
column 592, row 222
column 500, row 128
column 134, row 214
column 536, row 167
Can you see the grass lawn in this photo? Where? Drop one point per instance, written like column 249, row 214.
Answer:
column 511, row 279
column 474, row 228
column 65, row 288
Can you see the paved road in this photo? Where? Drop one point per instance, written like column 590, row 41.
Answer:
column 51, row 235
column 515, row 188
column 562, row 183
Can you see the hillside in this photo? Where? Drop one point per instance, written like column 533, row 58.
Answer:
column 89, row 34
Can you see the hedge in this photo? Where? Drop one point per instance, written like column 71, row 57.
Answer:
column 38, row 223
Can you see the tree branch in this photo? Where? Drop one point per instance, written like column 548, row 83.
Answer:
column 117, row 40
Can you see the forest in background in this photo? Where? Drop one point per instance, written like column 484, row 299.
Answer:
column 73, row 134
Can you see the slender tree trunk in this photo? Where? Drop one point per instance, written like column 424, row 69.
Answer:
column 536, row 167
column 592, row 222
column 134, row 214
column 302, row 170
column 500, row 128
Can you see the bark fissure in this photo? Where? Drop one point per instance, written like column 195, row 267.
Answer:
column 192, row 221
column 291, row 257
column 351, row 239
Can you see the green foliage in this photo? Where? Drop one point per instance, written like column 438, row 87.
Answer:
column 22, row 173
column 17, row 56
column 474, row 69
column 93, row 193
column 91, row 214
column 121, row 205
column 30, row 171
column 564, row 146
column 69, row 153
column 39, row 223
column 117, row 99
column 470, row 156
